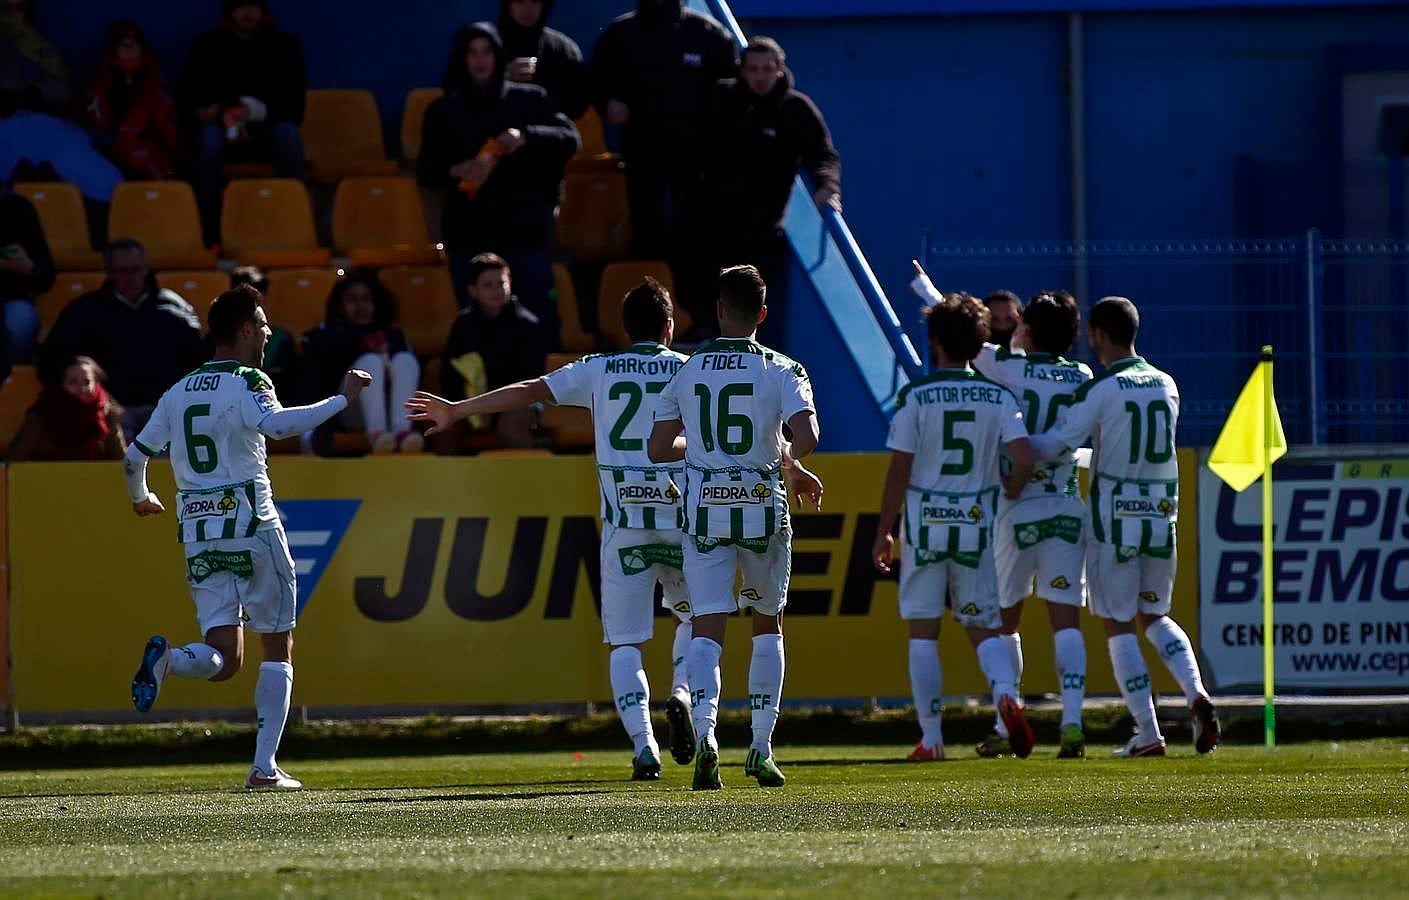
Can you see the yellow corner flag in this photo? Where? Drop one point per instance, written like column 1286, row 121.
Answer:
column 1243, row 450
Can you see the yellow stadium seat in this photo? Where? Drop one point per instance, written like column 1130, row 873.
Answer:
column 595, row 219
column 162, row 215
column 413, row 115
column 571, row 334
column 17, row 395
column 426, row 301
column 60, row 208
column 379, row 222
column 571, row 426
column 297, row 298
column 197, row 287
column 269, row 223
column 617, row 279
column 342, row 135
column 430, row 375
column 594, row 141
column 67, row 287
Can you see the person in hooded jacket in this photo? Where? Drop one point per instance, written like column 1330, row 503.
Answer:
column 502, row 199
column 758, row 131
column 73, row 419
column 244, row 85
column 544, row 56
column 129, row 111
column 651, row 72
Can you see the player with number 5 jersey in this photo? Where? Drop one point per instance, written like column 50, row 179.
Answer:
column 238, row 564
column 732, row 400
column 1130, row 413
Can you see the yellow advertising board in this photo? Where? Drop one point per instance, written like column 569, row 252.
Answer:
column 447, row 582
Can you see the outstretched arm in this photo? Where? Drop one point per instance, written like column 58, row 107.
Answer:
column 134, row 467
column 441, row 413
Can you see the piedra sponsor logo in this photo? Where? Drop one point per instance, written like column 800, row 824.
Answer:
column 202, row 507
column 1143, row 508
column 647, row 494
column 734, row 494
column 952, row 515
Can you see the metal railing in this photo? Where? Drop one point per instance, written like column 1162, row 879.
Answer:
column 1337, row 313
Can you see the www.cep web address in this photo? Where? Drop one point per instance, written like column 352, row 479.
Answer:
column 1351, row 662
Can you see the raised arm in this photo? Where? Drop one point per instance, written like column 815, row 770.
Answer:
column 441, row 413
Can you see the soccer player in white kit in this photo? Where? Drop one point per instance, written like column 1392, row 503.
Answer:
column 731, row 401
column 641, row 513
column 238, row 563
column 1130, row 412
column 1039, row 541
column 945, row 438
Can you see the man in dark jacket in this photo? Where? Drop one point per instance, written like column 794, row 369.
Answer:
column 501, row 201
column 244, row 85
column 494, row 342
column 758, row 131
column 544, row 56
column 145, row 337
column 651, row 71
column 26, row 271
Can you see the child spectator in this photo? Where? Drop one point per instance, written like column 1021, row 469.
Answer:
column 73, row 419
column 129, row 111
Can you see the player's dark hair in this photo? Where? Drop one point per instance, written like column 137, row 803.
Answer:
column 959, row 325
column 1118, row 318
column 229, row 313
column 645, row 309
column 1052, row 320
column 742, row 293
column 487, row 262
column 1000, row 296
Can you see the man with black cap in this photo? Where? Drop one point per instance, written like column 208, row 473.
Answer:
column 497, row 150
column 244, row 85
column 544, row 56
column 651, row 71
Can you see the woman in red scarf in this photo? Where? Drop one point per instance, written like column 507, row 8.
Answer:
column 73, row 419
column 129, row 111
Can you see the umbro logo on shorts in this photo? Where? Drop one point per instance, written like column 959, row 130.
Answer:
column 969, row 609
column 1060, row 583
column 751, row 594
column 1149, row 596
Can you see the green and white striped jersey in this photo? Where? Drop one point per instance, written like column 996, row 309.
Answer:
column 956, row 423
column 1044, row 385
column 733, row 396
column 210, row 420
column 623, row 391
column 1130, row 412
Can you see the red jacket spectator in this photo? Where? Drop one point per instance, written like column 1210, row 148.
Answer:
column 73, row 419
column 129, row 109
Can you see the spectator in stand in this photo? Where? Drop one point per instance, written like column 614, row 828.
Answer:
column 145, row 337
column 494, row 342
column 36, row 146
column 651, row 72
column 73, row 419
column 544, row 56
column 131, row 115
column 26, row 271
column 281, row 353
column 758, row 131
column 497, row 150
column 1005, row 309
column 358, row 332
column 32, row 72
column 244, row 84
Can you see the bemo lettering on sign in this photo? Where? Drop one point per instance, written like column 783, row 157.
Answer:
column 477, row 570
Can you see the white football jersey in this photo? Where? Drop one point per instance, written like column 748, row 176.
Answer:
column 733, row 396
column 623, row 390
column 1044, row 385
column 210, row 420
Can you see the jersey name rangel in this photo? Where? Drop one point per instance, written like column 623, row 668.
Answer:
column 1044, row 385
column 623, row 391
column 733, row 396
column 210, row 420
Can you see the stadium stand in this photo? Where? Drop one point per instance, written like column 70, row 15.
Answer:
column 426, row 301
column 60, row 209
column 67, row 287
column 570, row 426
column 571, row 335
column 617, row 279
column 379, row 222
column 413, row 116
column 197, row 287
column 16, row 396
column 342, row 135
column 595, row 219
column 162, row 215
column 297, row 298
column 269, row 223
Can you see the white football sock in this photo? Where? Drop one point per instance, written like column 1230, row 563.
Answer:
column 196, row 660
column 271, row 703
column 1071, row 673
column 680, row 678
column 1133, row 677
column 1014, row 643
column 1178, row 655
column 765, row 689
column 633, row 697
column 702, row 661
column 926, row 686
column 997, row 664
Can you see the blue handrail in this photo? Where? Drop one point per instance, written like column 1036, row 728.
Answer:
column 836, row 228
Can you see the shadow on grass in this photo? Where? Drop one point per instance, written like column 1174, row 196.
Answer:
column 444, row 798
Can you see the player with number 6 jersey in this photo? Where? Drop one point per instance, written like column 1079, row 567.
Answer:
column 1130, row 413
column 238, row 564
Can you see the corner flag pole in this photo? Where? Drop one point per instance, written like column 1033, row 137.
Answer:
column 1269, row 712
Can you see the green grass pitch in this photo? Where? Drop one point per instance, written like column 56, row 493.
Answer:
column 1309, row 820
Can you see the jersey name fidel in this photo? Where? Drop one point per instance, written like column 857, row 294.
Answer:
column 210, row 420
column 623, row 392
column 1044, row 385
